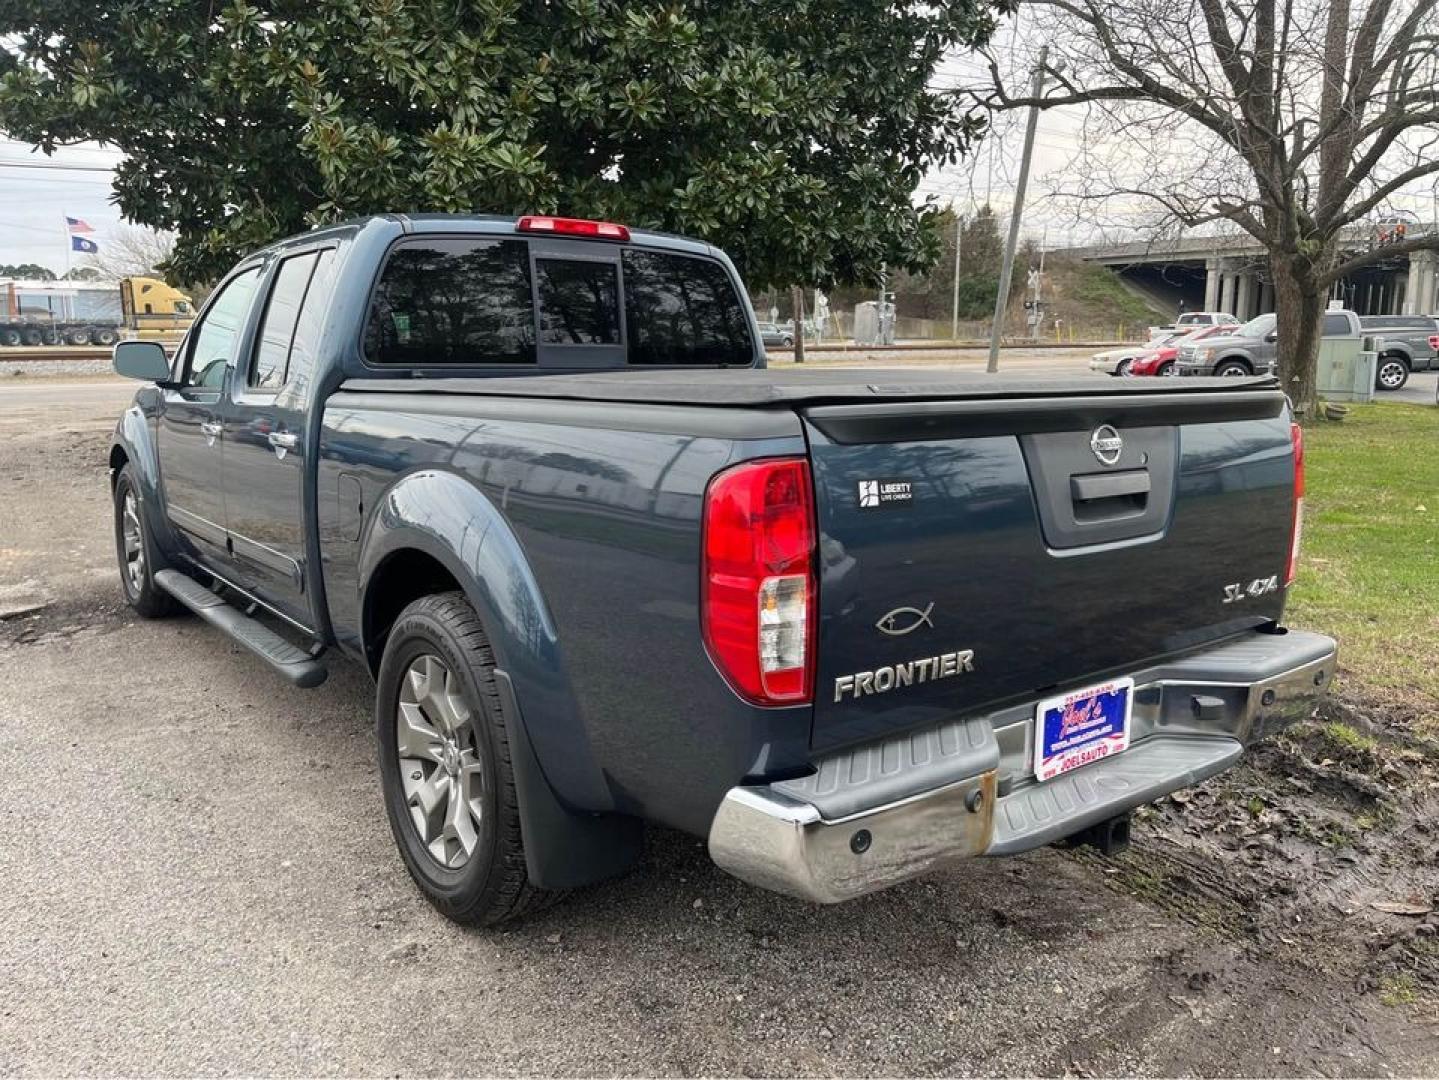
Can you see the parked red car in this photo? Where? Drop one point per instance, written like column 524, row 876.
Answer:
column 1161, row 361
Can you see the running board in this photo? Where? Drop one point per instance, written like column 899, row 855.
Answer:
column 289, row 660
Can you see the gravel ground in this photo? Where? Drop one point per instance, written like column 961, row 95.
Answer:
column 197, row 878
column 23, row 368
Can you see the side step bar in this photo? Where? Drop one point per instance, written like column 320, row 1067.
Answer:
column 289, row 660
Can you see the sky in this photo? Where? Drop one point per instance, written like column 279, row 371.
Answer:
column 37, row 193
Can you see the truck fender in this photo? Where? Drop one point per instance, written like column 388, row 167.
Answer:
column 569, row 838
column 134, row 439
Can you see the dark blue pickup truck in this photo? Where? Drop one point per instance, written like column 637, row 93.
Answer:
column 849, row 625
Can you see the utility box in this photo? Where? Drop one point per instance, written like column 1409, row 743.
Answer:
column 873, row 323
column 1347, row 366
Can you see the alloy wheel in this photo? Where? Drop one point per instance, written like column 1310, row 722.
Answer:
column 133, row 541
column 1391, row 374
column 440, row 769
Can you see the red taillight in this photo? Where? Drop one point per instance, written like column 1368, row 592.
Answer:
column 1434, row 342
column 1296, row 436
column 758, row 596
column 567, row 226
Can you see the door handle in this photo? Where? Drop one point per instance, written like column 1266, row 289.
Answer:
column 211, row 429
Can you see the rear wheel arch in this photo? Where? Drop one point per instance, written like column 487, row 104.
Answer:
column 1228, row 361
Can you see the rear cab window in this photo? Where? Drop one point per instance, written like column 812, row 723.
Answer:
column 552, row 303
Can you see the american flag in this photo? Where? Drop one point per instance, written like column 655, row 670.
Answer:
column 78, row 225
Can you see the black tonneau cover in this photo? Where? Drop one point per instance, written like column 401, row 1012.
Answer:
column 748, row 388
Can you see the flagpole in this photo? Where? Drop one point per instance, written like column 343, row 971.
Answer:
column 65, row 224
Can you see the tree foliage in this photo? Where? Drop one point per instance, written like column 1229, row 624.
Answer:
column 792, row 133
column 1301, row 123
column 26, row 272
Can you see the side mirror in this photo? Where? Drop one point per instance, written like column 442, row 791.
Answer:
column 143, row 360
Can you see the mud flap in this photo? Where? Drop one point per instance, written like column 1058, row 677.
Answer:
column 563, row 849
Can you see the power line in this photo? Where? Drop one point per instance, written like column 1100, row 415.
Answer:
column 47, row 165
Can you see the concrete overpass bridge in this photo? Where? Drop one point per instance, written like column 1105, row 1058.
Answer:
column 1231, row 273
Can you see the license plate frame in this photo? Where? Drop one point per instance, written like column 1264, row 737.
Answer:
column 1085, row 725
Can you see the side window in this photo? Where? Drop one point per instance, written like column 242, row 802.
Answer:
column 1336, row 325
column 214, row 342
column 579, row 302
column 306, row 344
column 277, row 328
column 453, row 301
column 683, row 310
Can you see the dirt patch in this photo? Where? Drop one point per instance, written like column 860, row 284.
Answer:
column 1319, row 849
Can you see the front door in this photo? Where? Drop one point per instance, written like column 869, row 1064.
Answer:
column 190, row 442
column 264, row 416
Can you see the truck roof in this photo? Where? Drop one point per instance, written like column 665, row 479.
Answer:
column 749, row 387
column 473, row 224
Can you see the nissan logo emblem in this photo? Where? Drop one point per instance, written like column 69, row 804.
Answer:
column 1106, row 444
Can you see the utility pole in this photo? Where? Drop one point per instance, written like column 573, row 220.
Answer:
column 797, row 302
column 954, row 311
column 879, row 311
column 1006, row 273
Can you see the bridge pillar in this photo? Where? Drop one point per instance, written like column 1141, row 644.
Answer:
column 1211, row 284
column 1243, row 292
column 1423, row 302
column 1413, row 285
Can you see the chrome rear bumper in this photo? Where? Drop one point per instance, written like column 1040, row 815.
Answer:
column 879, row 814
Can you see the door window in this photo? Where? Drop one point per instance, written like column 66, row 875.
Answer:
column 277, row 328
column 306, row 343
column 217, row 337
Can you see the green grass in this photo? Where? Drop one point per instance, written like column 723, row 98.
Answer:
column 1398, row 989
column 1348, row 738
column 1369, row 565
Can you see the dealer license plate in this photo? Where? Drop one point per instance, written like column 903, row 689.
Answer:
column 1081, row 727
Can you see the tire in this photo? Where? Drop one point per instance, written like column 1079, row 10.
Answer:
column 134, row 549
column 9, row 336
column 1392, row 373
column 31, row 336
column 457, row 738
column 78, row 337
column 787, row 342
column 1166, row 370
column 104, row 335
column 1123, row 369
column 1231, row 369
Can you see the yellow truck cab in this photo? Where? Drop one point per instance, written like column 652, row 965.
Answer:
column 153, row 309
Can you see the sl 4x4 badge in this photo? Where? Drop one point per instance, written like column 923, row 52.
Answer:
column 1258, row 587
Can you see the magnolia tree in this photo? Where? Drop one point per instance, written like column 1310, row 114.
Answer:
column 791, row 134
column 1299, row 122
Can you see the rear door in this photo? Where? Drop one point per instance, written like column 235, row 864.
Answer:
column 978, row 553
column 190, row 431
column 265, row 420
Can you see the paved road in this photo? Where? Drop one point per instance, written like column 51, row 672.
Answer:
column 22, row 393
column 197, row 877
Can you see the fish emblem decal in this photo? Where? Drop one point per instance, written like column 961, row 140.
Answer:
column 905, row 620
